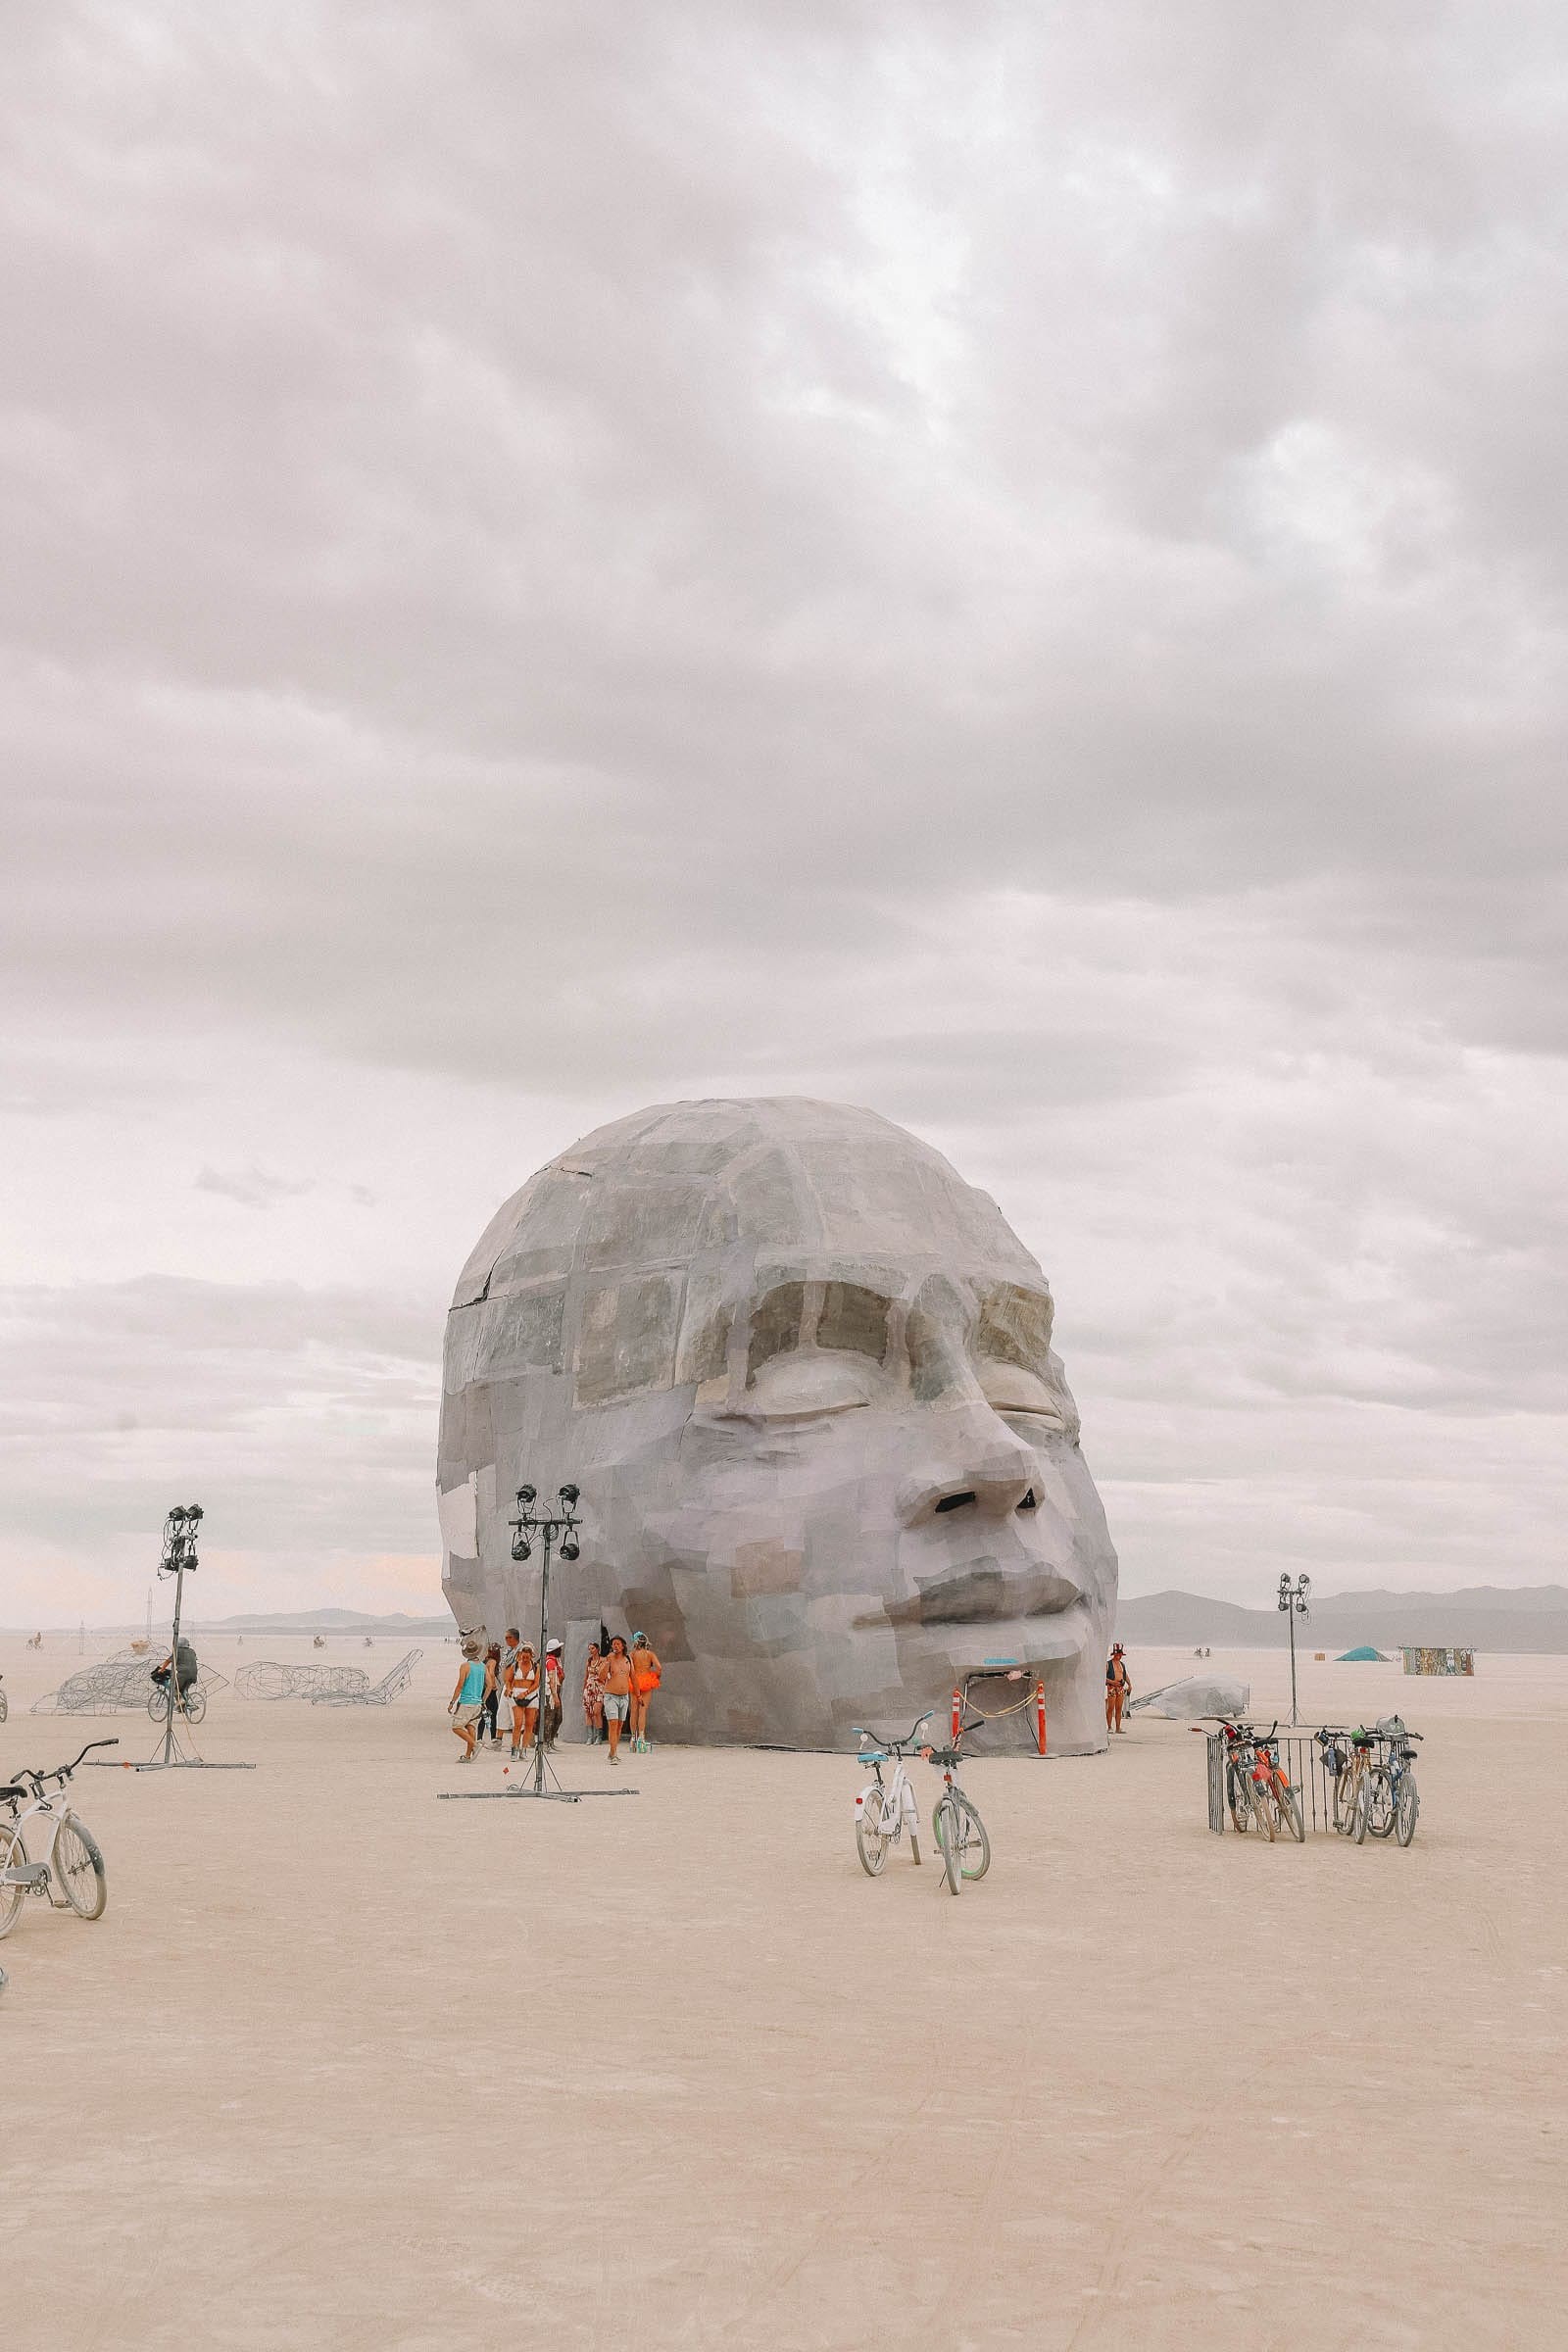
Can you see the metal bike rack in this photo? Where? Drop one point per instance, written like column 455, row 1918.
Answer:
column 1302, row 1759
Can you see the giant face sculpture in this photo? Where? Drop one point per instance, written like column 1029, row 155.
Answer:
column 803, row 1374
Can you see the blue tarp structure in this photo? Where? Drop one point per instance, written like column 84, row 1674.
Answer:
column 1355, row 1657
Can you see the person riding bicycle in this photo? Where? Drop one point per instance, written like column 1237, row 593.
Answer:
column 185, row 1658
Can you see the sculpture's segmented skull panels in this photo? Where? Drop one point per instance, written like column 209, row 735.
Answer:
column 803, row 1374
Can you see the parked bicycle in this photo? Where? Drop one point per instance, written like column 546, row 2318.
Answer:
column 955, row 1824
column 1346, row 1757
column 885, row 1808
column 1245, row 1800
column 73, row 1861
column 1389, row 1801
column 1271, row 1787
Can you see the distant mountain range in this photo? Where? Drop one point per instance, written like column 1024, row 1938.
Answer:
column 1530, row 1618
column 1527, row 1618
column 325, row 1621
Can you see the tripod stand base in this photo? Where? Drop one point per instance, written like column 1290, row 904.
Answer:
column 506, row 1796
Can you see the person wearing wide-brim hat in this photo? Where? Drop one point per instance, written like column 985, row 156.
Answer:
column 1118, row 1688
column 467, row 1696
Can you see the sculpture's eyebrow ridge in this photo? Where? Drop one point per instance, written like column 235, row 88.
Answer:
column 856, row 1315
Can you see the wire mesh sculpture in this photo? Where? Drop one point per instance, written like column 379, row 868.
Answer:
column 115, row 1685
column 381, row 1695
column 269, row 1678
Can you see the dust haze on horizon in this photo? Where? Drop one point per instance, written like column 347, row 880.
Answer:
column 1009, row 571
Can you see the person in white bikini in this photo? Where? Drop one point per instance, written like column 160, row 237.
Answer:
column 522, row 1689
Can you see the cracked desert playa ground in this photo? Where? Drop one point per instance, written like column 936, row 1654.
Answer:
column 343, row 2066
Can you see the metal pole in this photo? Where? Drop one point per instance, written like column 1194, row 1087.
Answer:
column 544, row 1636
column 173, row 1691
column 1291, row 1622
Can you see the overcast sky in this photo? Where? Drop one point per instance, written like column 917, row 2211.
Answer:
column 1004, row 562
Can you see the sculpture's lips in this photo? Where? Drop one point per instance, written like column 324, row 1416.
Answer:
column 985, row 1591
column 1038, row 1614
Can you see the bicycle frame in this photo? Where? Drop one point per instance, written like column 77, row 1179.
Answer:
column 895, row 1794
column 37, row 1874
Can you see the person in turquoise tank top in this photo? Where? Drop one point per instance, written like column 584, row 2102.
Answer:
column 468, row 1697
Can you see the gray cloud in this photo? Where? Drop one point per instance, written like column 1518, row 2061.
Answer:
column 1008, row 570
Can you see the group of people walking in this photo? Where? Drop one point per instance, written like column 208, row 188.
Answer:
column 619, row 1681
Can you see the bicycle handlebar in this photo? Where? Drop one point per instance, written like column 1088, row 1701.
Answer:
column 893, row 1746
column 61, row 1772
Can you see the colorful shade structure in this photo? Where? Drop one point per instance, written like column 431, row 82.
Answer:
column 1365, row 1655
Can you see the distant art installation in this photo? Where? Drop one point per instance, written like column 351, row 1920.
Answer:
column 1198, row 1696
column 803, row 1374
column 114, row 1686
column 270, row 1678
column 324, row 1685
column 1438, row 1661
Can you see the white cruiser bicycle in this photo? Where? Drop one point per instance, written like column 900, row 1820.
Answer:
column 885, row 1808
column 72, row 1862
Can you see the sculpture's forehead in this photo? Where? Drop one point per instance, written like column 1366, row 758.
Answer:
column 814, row 1189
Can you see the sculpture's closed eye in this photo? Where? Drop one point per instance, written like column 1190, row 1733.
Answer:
column 813, row 1381
column 1009, row 1389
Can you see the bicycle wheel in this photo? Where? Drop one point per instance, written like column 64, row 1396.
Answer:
column 12, row 1850
column 871, row 1839
column 1238, row 1796
column 1289, row 1805
column 158, row 1702
column 195, row 1705
column 1406, row 1806
column 79, row 1868
column 1343, row 1804
column 945, row 1822
column 1358, row 1813
column 975, row 1846
column 1380, row 1802
column 1265, row 1807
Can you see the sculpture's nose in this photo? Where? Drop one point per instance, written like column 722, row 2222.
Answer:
column 974, row 1463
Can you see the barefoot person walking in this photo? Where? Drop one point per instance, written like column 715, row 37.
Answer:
column 614, row 1680
column 467, row 1697
column 646, row 1677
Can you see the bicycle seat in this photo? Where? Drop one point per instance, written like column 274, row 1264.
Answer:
column 945, row 1756
column 867, row 1755
column 8, row 1794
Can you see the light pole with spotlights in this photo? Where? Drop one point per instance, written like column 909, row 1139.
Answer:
column 556, row 1531
column 1294, row 1603
column 179, row 1555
